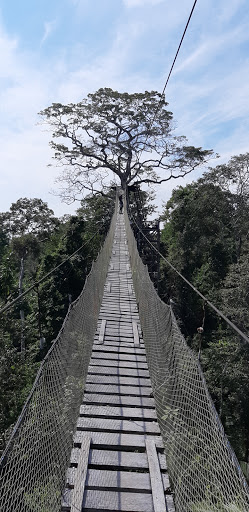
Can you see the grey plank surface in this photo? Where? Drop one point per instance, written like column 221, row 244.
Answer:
column 116, row 356
column 118, row 389
column 117, row 459
column 122, row 412
column 118, row 440
column 119, row 425
column 102, row 331
column 121, row 480
column 119, row 400
column 124, row 372
column 118, row 380
column 155, row 477
column 101, row 501
column 134, row 351
column 80, row 475
column 135, row 333
column 118, row 364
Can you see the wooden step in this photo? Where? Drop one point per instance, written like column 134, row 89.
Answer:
column 108, row 459
column 118, row 441
column 117, row 425
column 118, row 389
column 116, row 380
column 118, row 364
column 124, row 372
column 108, row 411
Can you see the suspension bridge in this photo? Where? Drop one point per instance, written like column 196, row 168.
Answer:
column 119, row 417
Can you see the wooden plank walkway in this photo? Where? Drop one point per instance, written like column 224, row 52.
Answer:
column 118, row 463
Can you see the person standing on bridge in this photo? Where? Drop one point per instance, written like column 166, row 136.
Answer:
column 121, row 204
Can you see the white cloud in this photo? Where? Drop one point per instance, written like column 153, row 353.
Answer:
column 213, row 47
column 49, row 27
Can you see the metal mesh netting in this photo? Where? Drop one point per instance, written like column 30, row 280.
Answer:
column 203, row 468
column 33, row 468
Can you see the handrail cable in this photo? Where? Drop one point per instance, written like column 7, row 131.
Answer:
column 37, row 283
column 217, row 311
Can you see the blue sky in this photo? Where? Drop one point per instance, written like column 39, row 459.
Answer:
column 60, row 50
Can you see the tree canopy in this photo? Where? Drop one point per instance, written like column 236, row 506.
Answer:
column 206, row 237
column 28, row 216
column 111, row 135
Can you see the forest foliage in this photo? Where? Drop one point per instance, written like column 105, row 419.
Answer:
column 32, row 243
column 205, row 236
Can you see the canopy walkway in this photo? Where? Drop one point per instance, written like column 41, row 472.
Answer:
column 125, row 468
column 112, row 398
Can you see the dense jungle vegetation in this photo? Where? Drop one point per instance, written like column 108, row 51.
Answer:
column 32, row 243
column 205, row 235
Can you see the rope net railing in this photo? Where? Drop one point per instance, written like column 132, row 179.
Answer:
column 34, row 464
column 204, row 471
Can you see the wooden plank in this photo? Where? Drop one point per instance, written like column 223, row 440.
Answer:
column 119, row 332
column 135, row 333
column 121, row 293
column 113, row 379
column 118, row 425
column 117, row 501
column 102, row 331
column 108, row 411
column 119, row 325
column 118, row 390
column 123, row 480
column 118, row 440
column 80, row 476
column 121, row 317
column 118, row 364
column 126, row 350
column 124, row 372
column 155, row 477
column 116, row 310
column 119, row 400
column 108, row 287
column 118, row 356
column 122, row 329
column 116, row 459
column 118, row 342
column 170, row 503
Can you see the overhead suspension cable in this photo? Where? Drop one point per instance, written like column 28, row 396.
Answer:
column 168, row 77
column 217, row 311
column 180, row 44
column 44, row 278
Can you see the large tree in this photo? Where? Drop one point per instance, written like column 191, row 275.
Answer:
column 28, row 216
column 111, row 134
